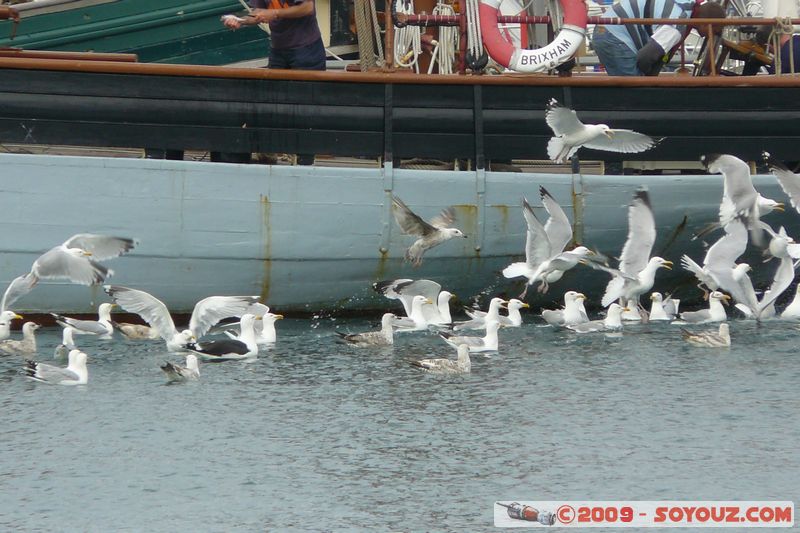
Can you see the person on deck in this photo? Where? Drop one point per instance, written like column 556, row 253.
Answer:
column 642, row 49
column 296, row 42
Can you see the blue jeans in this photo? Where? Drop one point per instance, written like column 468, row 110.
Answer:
column 311, row 57
column 616, row 56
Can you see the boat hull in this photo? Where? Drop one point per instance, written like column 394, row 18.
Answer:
column 310, row 239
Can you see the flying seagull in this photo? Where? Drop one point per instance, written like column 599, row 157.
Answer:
column 430, row 234
column 545, row 258
column 405, row 290
column 788, row 180
column 571, row 134
column 76, row 259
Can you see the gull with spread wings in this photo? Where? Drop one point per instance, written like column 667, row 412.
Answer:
column 545, row 258
column 430, row 234
column 571, row 134
column 206, row 313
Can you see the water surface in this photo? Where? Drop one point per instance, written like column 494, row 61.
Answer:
column 314, row 435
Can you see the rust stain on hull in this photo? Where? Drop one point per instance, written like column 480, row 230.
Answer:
column 266, row 235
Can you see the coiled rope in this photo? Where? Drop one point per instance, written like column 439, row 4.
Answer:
column 444, row 51
column 370, row 46
column 407, row 39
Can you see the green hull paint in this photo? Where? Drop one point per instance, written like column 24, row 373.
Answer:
column 158, row 31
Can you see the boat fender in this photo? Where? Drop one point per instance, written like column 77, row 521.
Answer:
column 529, row 514
column 563, row 47
column 476, row 64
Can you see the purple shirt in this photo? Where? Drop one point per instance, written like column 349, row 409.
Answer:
column 290, row 33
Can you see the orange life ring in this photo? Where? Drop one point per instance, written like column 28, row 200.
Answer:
column 563, row 47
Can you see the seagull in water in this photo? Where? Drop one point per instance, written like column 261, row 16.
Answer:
column 661, row 309
column 5, row 323
column 67, row 344
column 573, row 312
column 637, row 270
column 571, row 134
column 26, row 346
column 714, row 313
column 382, row 337
column 135, row 331
column 18, row 287
column 101, row 327
column 76, row 372
column 612, row 321
column 447, row 366
column 487, row 343
column 243, row 347
column 709, row 339
column 404, row 290
column 178, row 374
column 206, row 313
column 545, row 258
column 478, row 319
column 430, row 234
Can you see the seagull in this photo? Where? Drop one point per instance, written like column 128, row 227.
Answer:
column 177, row 373
column 571, row 134
column 415, row 321
column 18, row 287
column 101, row 327
column 572, row 313
column 430, row 234
column 71, row 260
column 780, row 244
column 478, row 319
column 739, row 198
column 243, row 347
column 746, row 299
column 136, row 331
column 637, row 270
column 382, row 337
column 75, row 373
column 67, row 344
column 714, row 313
column 487, row 343
column 267, row 333
column 612, row 321
column 788, row 180
column 792, row 310
column 661, row 309
column 206, row 313
column 5, row 323
column 405, row 290
column 720, row 260
column 447, row 366
column 545, row 258
column 26, row 346
column 709, row 339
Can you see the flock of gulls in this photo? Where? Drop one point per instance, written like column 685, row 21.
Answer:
column 225, row 328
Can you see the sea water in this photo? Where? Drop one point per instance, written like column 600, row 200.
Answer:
column 319, row 436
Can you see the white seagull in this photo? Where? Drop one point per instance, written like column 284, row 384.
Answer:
column 545, row 258
column 77, row 259
column 436, row 313
column 67, row 344
column 487, row 343
column 661, row 309
column 714, row 313
column 720, row 260
column 75, row 373
column 5, row 323
column 740, row 200
column 206, row 313
column 612, row 321
column 479, row 318
column 709, row 339
column 637, row 270
column 430, row 234
column 382, row 337
column 177, row 373
column 788, row 180
column 447, row 366
column 18, row 287
column 571, row 134
column 101, row 327
column 792, row 310
column 572, row 313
